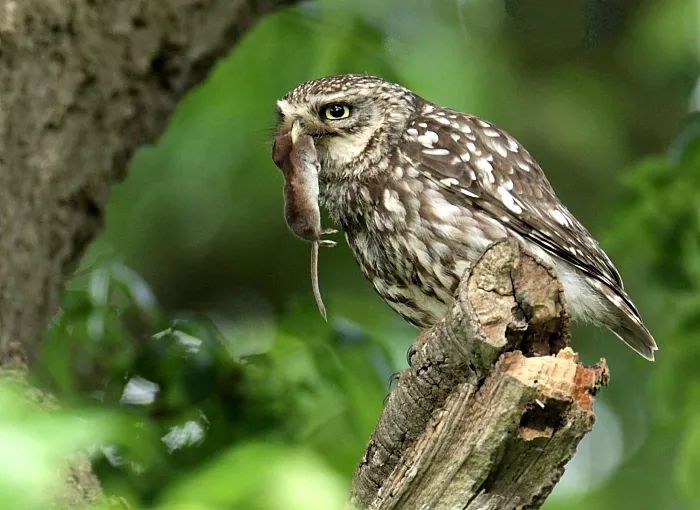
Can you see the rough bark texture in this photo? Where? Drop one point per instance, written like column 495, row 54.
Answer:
column 494, row 403
column 83, row 83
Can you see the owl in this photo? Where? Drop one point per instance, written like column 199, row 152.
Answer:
column 421, row 191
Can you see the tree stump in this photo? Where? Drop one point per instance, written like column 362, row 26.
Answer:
column 494, row 403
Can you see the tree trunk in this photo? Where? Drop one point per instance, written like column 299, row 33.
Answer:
column 82, row 85
column 494, row 403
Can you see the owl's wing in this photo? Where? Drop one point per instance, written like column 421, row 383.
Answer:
column 482, row 164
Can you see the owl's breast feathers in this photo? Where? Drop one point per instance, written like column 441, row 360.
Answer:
column 409, row 235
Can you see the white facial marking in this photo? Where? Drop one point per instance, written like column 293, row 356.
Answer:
column 343, row 150
column 282, row 104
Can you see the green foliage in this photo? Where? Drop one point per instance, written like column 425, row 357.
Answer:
column 260, row 476
column 658, row 236
column 227, row 390
column 37, row 440
column 672, row 217
column 291, row 412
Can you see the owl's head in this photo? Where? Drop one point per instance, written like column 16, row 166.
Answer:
column 348, row 116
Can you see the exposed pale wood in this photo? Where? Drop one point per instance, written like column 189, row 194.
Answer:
column 494, row 403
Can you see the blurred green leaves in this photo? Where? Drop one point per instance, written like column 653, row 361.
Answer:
column 663, row 214
column 228, row 390
column 38, row 441
column 260, row 477
column 657, row 237
column 281, row 416
column 666, row 212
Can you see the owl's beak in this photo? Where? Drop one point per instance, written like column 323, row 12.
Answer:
column 297, row 130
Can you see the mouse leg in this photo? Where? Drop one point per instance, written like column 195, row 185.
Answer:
column 327, row 243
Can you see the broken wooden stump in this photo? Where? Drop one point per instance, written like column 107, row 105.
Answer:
column 494, row 403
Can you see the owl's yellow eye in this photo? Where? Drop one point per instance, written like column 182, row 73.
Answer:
column 335, row 111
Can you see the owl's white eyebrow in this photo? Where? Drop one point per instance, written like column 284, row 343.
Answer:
column 330, row 98
column 288, row 109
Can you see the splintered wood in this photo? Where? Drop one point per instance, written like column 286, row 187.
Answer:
column 296, row 156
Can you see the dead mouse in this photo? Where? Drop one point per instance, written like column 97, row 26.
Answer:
column 296, row 156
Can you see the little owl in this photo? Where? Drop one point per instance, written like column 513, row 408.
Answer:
column 421, row 191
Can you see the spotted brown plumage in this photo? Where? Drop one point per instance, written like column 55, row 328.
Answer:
column 421, row 190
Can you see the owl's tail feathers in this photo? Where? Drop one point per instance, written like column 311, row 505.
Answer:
column 624, row 321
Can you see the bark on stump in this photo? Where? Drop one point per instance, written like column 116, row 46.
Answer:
column 494, row 403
